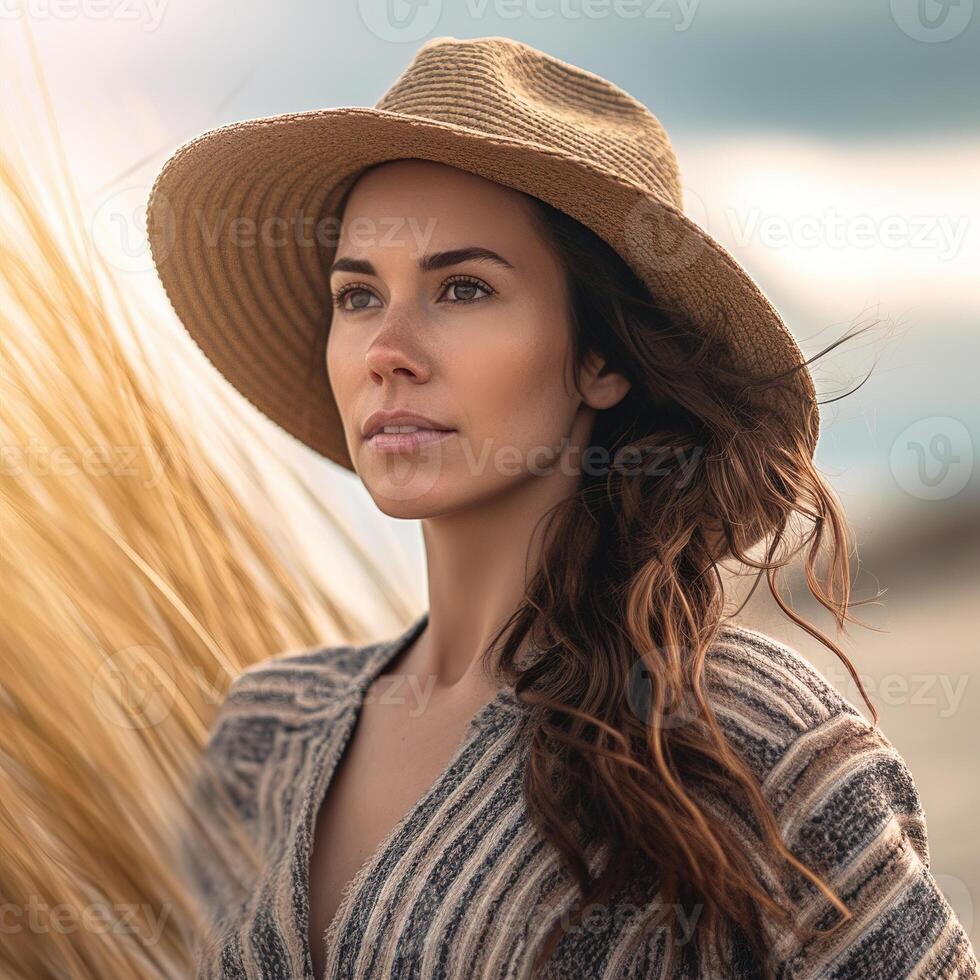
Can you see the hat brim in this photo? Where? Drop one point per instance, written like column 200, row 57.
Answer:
column 254, row 296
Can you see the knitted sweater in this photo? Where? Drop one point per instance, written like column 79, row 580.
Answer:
column 464, row 886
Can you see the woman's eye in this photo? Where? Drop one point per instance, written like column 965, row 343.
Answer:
column 361, row 298
column 465, row 289
column 459, row 291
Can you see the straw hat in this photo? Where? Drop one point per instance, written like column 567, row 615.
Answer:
column 242, row 219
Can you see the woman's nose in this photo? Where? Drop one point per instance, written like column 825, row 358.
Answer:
column 395, row 348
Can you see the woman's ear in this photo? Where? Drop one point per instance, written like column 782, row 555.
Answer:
column 601, row 387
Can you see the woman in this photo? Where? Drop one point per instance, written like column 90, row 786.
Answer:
column 571, row 764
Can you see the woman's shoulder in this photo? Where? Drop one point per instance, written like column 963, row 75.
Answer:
column 809, row 747
column 767, row 695
column 847, row 805
column 290, row 691
column 760, row 660
column 327, row 668
column 293, row 693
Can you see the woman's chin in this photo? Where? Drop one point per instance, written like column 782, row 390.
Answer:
column 408, row 491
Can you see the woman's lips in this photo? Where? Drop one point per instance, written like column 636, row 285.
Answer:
column 397, row 442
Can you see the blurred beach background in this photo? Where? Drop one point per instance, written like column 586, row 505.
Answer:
column 833, row 149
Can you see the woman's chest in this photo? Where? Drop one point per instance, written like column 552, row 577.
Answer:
column 463, row 885
column 392, row 758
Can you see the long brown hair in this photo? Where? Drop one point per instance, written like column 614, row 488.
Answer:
column 629, row 578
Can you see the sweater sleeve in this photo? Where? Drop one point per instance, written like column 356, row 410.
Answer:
column 849, row 809
column 218, row 851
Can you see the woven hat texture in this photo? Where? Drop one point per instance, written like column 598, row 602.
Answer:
column 235, row 216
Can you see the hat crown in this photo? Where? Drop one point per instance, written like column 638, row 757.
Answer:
column 508, row 90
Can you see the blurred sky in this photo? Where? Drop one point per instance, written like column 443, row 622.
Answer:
column 833, row 148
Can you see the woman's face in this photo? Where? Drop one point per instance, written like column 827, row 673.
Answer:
column 477, row 344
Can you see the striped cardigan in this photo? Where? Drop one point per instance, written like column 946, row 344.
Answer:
column 464, row 886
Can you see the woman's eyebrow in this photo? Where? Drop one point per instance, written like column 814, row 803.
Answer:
column 435, row 260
